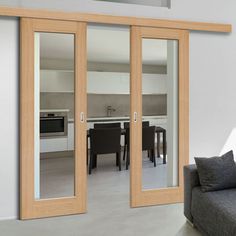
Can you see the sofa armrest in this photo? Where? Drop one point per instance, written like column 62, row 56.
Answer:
column 191, row 180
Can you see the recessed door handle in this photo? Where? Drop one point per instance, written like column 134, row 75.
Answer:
column 82, row 117
column 135, row 116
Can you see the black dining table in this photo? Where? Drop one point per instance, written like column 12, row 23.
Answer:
column 159, row 130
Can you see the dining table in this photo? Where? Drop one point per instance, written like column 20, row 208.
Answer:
column 158, row 130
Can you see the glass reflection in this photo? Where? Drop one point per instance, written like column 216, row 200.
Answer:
column 54, row 115
column 160, row 113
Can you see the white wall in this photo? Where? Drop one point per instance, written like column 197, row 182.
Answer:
column 212, row 80
column 9, row 100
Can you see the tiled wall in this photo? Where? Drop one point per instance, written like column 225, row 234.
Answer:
column 97, row 103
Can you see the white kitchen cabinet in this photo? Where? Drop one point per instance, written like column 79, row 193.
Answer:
column 53, row 144
column 58, row 144
column 118, row 83
column 154, row 84
column 108, row 82
column 101, row 82
column 56, row 81
column 71, row 140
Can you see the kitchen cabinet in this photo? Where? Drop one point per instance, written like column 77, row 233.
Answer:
column 116, row 82
column 58, row 144
column 71, row 132
column 56, row 81
column 108, row 82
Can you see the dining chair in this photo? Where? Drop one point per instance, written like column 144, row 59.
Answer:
column 148, row 143
column 126, row 126
column 107, row 125
column 104, row 141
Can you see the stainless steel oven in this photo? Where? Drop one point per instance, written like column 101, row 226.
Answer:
column 53, row 124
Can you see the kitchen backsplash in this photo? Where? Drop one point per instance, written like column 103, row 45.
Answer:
column 98, row 103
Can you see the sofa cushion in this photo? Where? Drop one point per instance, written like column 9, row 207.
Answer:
column 214, row 212
column 217, row 173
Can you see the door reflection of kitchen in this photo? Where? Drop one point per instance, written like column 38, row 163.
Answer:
column 57, row 162
column 108, row 94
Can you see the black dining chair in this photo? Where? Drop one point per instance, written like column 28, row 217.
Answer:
column 148, row 143
column 104, row 141
column 107, row 125
column 126, row 126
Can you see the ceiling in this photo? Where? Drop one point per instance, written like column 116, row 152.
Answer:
column 105, row 44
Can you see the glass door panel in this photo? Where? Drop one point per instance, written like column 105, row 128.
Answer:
column 55, row 108
column 53, row 111
column 159, row 113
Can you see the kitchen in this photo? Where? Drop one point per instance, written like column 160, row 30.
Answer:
column 108, row 96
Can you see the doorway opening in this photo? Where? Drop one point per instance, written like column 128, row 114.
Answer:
column 108, row 96
column 108, row 113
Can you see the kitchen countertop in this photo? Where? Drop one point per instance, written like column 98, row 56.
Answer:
column 120, row 118
column 54, row 110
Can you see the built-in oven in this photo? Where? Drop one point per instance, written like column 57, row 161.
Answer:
column 53, row 124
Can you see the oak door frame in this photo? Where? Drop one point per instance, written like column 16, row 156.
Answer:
column 138, row 196
column 29, row 206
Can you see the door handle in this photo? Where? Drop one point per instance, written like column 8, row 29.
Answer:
column 135, row 116
column 82, row 117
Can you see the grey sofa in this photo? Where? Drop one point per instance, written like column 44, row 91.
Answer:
column 212, row 213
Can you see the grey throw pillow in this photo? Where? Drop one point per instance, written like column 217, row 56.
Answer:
column 216, row 173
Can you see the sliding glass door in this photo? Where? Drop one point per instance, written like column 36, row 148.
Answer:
column 54, row 112
column 159, row 113
column 53, row 123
